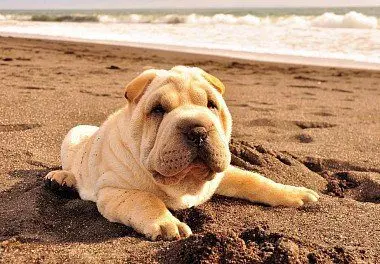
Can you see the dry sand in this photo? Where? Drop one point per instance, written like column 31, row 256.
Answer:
column 311, row 126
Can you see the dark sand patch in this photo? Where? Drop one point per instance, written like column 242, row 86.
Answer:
column 360, row 186
column 113, row 67
column 307, row 87
column 307, row 124
column 341, row 90
column 304, row 138
column 95, row 94
column 305, row 78
column 36, row 88
column 17, row 127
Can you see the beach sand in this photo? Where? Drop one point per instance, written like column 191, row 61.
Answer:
column 317, row 127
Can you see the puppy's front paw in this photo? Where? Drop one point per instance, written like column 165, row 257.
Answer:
column 60, row 179
column 295, row 196
column 167, row 228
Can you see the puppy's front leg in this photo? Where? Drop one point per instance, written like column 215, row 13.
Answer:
column 256, row 188
column 143, row 211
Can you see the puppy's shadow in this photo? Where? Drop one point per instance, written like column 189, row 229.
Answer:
column 32, row 212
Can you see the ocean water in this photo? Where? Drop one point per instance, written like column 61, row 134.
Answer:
column 350, row 34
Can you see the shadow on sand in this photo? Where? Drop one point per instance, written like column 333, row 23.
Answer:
column 32, row 212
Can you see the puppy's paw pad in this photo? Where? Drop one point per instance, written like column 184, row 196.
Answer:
column 169, row 228
column 59, row 178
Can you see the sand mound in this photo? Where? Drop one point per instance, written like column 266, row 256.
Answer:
column 255, row 245
column 279, row 166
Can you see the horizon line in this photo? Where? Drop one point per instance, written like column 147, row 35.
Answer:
column 190, row 8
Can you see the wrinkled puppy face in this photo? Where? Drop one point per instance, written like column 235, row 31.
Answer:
column 184, row 126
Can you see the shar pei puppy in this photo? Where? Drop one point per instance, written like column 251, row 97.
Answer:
column 166, row 149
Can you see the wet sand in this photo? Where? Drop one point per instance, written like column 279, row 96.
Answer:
column 310, row 126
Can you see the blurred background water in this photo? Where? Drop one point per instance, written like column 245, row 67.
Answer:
column 326, row 33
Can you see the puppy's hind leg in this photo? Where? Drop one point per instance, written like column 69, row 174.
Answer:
column 61, row 180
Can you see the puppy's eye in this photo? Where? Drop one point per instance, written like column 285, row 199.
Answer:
column 158, row 109
column 211, row 105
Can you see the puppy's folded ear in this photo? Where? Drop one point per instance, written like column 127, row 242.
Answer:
column 136, row 88
column 214, row 82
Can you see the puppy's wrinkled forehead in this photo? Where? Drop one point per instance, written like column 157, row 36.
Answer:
column 179, row 86
column 199, row 75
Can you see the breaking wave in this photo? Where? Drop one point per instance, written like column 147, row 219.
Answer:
column 351, row 19
column 68, row 18
column 49, row 18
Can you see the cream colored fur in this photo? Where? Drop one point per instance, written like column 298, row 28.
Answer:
column 136, row 165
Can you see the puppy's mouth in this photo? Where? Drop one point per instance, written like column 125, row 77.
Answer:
column 197, row 169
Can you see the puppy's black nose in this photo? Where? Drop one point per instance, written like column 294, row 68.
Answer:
column 196, row 136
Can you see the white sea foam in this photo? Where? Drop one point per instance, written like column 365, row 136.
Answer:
column 350, row 20
column 10, row 17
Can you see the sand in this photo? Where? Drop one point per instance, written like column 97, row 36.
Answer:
column 309, row 126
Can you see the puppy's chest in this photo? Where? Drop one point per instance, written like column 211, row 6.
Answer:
column 185, row 201
column 182, row 200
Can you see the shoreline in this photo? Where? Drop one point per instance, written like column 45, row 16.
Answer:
column 241, row 55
